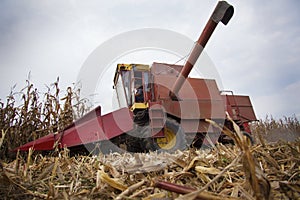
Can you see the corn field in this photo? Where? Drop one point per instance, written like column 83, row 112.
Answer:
column 28, row 114
column 265, row 170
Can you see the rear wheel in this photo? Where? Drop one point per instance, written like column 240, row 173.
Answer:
column 250, row 139
column 174, row 138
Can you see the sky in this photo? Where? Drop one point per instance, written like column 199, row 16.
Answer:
column 256, row 54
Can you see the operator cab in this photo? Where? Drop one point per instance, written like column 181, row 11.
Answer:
column 132, row 86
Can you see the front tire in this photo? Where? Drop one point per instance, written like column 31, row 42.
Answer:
column 174, row 138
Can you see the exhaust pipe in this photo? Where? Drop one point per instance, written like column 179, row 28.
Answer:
column 222, row 13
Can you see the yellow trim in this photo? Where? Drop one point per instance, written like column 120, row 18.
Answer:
column 124, row 67
column 139, row 67
column 167, row 142
column 139, row 106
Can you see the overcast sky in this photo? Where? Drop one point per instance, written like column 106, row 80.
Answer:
column 257, row 54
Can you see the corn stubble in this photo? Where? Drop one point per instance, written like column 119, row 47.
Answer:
column 241, row 171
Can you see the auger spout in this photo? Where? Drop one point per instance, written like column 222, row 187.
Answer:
column 223, row 12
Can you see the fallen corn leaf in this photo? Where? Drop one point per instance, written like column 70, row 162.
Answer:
column 155, row 196
column 110, row 181
column 207, row 170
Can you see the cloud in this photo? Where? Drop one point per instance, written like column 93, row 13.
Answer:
column 283, row 103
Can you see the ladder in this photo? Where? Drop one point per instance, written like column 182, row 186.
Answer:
column 157, row 120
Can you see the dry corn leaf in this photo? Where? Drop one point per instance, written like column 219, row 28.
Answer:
column 53, row 174
column 207, row 170
column 2, row 137
column 82, row 192
column 130, row 190
column 191, row 164
column 254, row 175
column 112, row 182
column 160, row 195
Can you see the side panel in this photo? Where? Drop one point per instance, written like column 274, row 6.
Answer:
column 195, row 109
column 91, row 128
column 117, row 122
column 198, row 98
column 200, row 126
column 239, row 107
column 100, row 128
column 43, row 143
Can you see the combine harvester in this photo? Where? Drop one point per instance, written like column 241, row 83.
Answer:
column 163, row 109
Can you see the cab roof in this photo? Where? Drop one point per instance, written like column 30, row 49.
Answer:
column 129, row 67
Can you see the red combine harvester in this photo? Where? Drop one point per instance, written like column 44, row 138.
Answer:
column 161, row 107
